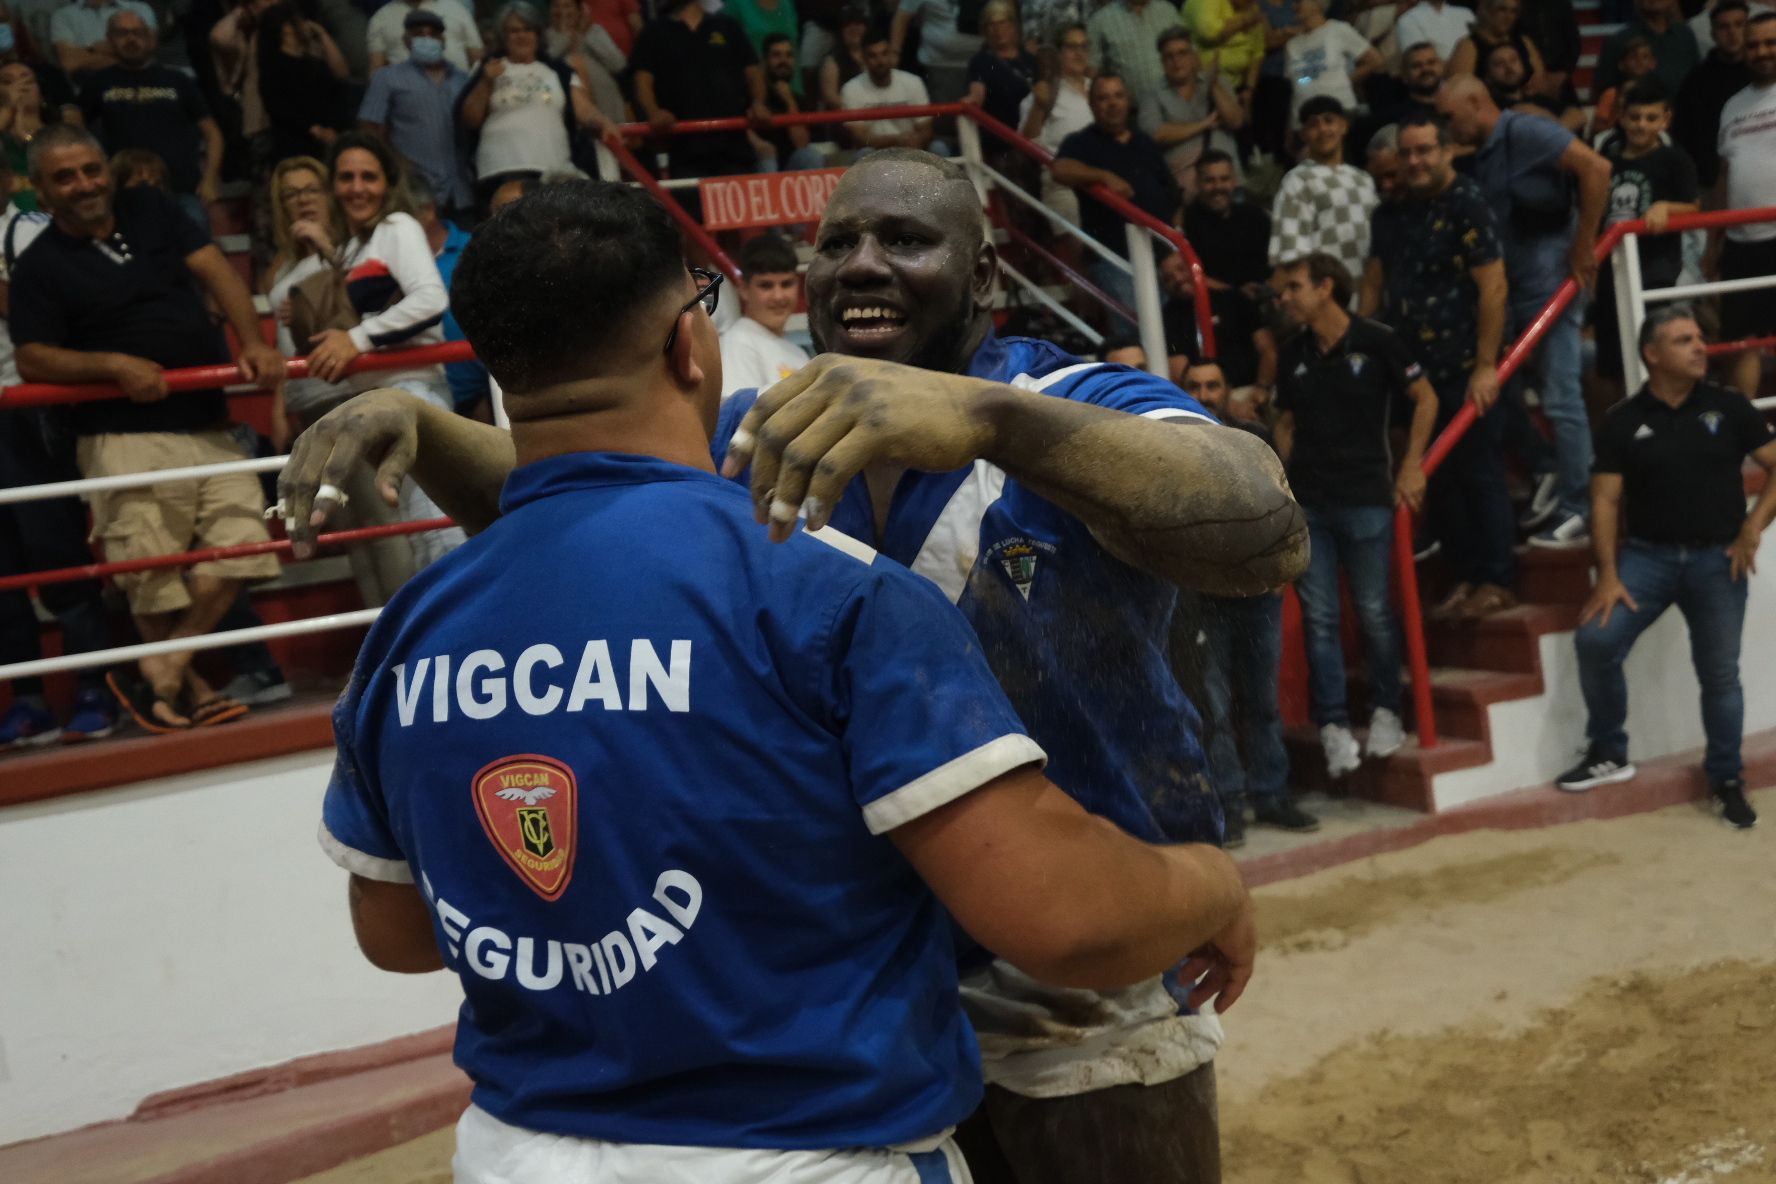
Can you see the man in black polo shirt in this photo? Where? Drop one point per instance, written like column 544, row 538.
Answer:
column 138, row 104
column 1231, row 237
column 110, row 293
column 1114, row 153
column 1436, row 274
column 1338, row 380
column 1673, row 454
column 690, row 64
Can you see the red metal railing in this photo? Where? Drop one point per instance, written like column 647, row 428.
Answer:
column 1127, row 209
column 1411, row 610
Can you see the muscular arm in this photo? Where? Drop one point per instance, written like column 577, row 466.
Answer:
column 393, row 926
column 1120, row 912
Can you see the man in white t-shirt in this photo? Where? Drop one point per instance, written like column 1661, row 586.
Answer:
column 1441, row 22
column 1748, row 181
column 1327, row 58
column 385, row 35
column 754, row 351
column 881, row 85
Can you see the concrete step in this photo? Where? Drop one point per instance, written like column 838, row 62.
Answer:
column 1509, row 642
column 1403, row 779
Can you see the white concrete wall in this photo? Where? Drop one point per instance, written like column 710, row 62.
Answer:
column 178, row 931
column 1535, row 740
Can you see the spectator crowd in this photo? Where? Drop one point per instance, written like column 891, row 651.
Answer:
column 1382, row 196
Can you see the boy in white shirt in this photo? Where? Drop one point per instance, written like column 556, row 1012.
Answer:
column 754, row 351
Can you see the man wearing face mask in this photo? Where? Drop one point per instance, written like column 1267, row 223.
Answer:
column 386, row 33
column 412, row 105
column 931, row 438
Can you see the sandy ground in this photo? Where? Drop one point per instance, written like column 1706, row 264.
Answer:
column 1588, row 1004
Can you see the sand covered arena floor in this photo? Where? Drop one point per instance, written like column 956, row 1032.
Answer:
column 1593, row 1002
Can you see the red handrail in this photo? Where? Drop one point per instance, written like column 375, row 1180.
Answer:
column 1204, row 316
column 197, row 378
column 1411, row 613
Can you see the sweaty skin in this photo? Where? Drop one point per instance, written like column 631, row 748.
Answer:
column 900, row 289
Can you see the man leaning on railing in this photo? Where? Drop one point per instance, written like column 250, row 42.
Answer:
column 112, row 292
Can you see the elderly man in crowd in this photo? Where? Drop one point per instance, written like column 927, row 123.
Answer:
column 113, row 291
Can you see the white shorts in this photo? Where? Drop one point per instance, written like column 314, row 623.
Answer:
column 489, row 1151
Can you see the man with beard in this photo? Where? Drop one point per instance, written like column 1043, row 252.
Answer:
column 783, row 149
column 940, row 444
column 1231, row 237
column 1506, row 75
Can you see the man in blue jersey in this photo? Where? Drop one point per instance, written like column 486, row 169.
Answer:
column 1057, row 503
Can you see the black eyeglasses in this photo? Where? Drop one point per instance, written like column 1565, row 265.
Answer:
column 708, row 295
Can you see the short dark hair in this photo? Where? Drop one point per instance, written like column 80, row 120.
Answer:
column 1417, row 47
column 547, row 284
column 1104, row 76
column 1658, row 319
column 1171, row 34
column 1427, row 119
column 1214, row 156
column 1727, row 6
column 1119, row 341
column 1322, row 105
column 1630, row 44
column 398, row 201
column 1648, row 92
column 1060, row 34
column 766, row 255
column 772, row 39
column 1496, row 48
column 1320, row 268
column 1758, row 18
column 876, row 34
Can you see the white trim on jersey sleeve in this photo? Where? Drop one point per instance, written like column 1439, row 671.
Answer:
column 1177, row 413
column 951, row 780
column 371, row 867
column 838, row 540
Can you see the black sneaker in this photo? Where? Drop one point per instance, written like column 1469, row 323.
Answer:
column 1594, row 770
column 1233, row 830
column 1735, row 811
column 1285, row 815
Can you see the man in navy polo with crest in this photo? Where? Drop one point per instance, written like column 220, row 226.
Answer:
column 1057, row 503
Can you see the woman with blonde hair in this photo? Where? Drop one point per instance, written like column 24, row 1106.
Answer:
column 305, row 233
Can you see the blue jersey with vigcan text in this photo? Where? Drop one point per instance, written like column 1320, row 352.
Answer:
column 641, row 762
column 1077, row 638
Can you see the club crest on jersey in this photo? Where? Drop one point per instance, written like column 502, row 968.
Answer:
column 1357, row 362
column 1712, row 420
column 529, row 807
column 1018, row 557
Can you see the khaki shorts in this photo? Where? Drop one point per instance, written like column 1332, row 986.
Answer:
column 174, row 516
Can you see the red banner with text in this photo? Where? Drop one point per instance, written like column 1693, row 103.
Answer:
column 766, row 199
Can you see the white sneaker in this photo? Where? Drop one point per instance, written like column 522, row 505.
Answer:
column 1386, row 734
column 1568, row 535
column 1343, row 757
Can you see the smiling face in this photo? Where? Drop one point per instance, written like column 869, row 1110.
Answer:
column 74, row 184
column 1215, row 185
column 1643, row 123
column 521, row 41
column 900, row 271
column 1324, row 136
column 770, row 299
column 1638, row 62
column 1424, row 161
column 1760, row 51
column 1384, row 170
column 360, row 187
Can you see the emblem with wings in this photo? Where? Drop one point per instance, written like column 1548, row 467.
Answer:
column 529, row 797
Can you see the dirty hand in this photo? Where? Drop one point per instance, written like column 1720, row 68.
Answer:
column 812, row 432
column 1221, row 969
column 379, row 428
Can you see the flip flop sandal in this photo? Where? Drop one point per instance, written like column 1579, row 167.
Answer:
column 218, row 710
column 138, row 698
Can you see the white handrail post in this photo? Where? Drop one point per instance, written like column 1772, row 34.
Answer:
column 1147, row 302
column 1630, row 308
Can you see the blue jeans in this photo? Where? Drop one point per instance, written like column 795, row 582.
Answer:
column 1359, row 541
column 1244, row 638
column 1555, row 365
column 1699, row 581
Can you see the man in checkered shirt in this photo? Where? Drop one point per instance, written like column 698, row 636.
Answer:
column 1324, row 204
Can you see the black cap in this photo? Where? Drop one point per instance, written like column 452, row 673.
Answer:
column 423, row 18
column 1322, row 105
